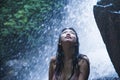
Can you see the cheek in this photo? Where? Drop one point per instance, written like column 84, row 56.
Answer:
column 74, row 38
column 62, row 37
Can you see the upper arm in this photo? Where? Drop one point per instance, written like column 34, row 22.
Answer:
column 52, row 68
column 84, row 68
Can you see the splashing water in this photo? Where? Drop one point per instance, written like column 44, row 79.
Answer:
column 80, row 16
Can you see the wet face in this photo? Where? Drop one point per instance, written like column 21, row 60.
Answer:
column 68, row 35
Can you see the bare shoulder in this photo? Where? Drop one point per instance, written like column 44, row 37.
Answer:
column 52, row 63
column 52, row 66
column 84, row 67
column 83, row 61
column 53, row 60
column 86, row 58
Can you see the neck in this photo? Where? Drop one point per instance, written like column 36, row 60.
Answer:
column 68, row 50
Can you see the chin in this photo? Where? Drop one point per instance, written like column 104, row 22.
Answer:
column 69, row 41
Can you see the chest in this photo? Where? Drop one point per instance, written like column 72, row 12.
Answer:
column 67, row 73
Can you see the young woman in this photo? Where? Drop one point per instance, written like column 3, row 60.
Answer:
column 68, row 64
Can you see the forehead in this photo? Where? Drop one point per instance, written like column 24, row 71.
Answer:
column 68, row 30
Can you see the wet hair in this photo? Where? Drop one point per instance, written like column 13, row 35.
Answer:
column 60, row 56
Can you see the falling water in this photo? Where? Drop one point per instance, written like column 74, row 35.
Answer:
column 79, row 15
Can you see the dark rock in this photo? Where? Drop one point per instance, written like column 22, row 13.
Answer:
column 107, row 16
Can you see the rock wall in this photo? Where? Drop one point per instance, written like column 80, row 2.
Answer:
column 107, row 16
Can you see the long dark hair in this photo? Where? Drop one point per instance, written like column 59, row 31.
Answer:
column 60, row 56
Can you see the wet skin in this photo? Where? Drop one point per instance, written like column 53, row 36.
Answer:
column 68, row 41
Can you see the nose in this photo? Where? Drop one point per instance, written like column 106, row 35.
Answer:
column 68, row 34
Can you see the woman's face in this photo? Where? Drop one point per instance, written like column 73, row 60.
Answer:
column 68, row 35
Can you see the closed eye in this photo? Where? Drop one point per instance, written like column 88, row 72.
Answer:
column 72, row 32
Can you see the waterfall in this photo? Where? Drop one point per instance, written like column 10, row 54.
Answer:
column 34, row 65
column 79, row 15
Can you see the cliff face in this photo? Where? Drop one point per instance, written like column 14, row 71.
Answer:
column 107, row 16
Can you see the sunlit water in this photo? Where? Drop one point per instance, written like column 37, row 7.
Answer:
column 79, row 15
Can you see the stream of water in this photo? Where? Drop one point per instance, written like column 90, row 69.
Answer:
column 79, row 15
